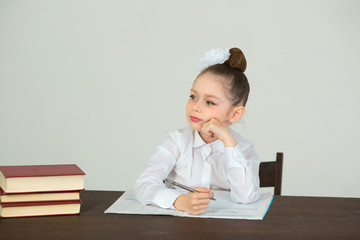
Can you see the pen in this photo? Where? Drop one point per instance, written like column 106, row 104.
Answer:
column 183, row 187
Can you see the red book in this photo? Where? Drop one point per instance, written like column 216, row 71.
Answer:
column 26, row 204
column 38, row 197
column 41, row 178
column 30, row 209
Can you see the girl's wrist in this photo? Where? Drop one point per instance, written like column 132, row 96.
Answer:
column 229, row 141
column 177, row 202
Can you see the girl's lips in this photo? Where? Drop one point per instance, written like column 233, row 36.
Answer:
column 195, row 119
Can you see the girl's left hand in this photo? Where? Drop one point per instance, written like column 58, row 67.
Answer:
column 214, row 129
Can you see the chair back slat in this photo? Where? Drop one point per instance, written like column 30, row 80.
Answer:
column 270, row 173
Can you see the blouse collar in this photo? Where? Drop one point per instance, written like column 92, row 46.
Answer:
column 216, row 146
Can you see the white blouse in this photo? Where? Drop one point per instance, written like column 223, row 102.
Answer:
column 185, row 158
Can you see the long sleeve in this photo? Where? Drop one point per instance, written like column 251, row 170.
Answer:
column 149, row 188
column 243, row 173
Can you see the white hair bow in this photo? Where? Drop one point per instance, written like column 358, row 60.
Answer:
column 214, row 56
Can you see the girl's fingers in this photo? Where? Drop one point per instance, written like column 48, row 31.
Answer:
column 212, row 195
column 205, row 193
column 200, row 204
column 203, row 202
column 211, row 127
column 203, row 190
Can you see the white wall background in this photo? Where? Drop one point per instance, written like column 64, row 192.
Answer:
column 99, row 83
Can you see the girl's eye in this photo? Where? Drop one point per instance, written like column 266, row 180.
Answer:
column 192, row 97
column 210, row 103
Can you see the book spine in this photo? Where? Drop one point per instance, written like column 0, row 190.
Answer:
column 2, row 192
column 45, row 215
column 40, row 170
column 24, row 204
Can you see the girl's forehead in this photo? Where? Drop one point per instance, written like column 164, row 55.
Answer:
column 210, row 84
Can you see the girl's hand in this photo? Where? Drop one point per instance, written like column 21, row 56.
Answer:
column 214, row 129
column 194, row 203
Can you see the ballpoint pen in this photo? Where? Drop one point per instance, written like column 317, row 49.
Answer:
column 183, row 187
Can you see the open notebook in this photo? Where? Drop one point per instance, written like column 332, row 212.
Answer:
column 223, row 207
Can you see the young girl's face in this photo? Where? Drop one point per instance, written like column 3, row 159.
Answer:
column 208, row 100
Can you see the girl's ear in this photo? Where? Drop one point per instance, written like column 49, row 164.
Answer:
column 237, row 113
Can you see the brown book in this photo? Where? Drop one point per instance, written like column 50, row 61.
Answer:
column 41, row 178
column 38, row 197
column 32, row 209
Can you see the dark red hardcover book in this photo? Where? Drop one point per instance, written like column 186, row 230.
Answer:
column 37, row 209
column 40, row 170
column 41, row 178
column 39, row 197
column 2, row 192
column 23, row 204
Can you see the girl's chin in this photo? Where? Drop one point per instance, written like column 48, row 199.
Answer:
column 194, row 126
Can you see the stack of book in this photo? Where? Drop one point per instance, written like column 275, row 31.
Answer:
column 40, row 190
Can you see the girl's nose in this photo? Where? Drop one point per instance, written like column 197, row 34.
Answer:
column 196, row 107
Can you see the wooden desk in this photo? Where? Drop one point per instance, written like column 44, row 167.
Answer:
column 288, row 218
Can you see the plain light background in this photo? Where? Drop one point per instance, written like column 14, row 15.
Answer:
column 99, row 83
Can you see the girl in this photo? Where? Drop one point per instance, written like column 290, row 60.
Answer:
column 207, row 154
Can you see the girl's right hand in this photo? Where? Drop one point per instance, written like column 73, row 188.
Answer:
column 194, row 203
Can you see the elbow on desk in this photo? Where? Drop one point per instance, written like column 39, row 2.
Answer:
column 245, row 198
column 137, row 191
column 143, row 193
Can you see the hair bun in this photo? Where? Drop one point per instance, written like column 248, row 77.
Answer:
column 237, row 59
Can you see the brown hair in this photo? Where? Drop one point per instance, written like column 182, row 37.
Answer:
column 233, row 72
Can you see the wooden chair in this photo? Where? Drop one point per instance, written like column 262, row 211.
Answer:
column 270, row 173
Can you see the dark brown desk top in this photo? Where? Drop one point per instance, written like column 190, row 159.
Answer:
column 288, row 218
